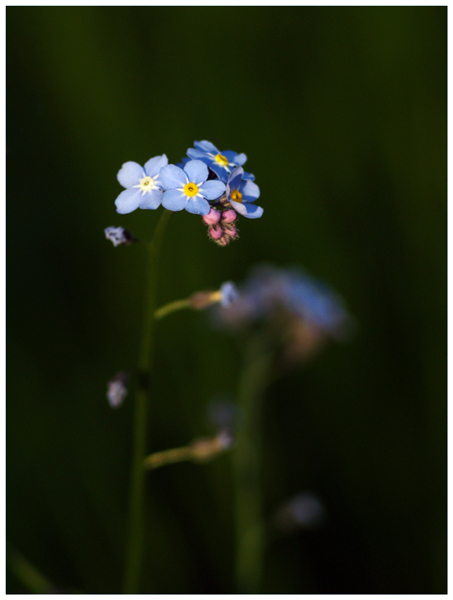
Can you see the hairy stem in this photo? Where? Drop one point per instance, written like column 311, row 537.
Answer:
column 136, row 501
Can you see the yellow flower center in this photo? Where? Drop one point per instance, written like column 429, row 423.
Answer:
column 236, row 196
column 191, row 189
column 222, row 160
column 147, row 184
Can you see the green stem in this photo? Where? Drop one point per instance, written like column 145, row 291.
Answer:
column 165, row 310
column 136, row 501
column 247, row 465
column 168, row 457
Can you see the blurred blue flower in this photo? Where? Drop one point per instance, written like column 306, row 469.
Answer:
column 270, row 291
column 144, row 187
column 228, row 293
column 241, row 193
column 221, row 163
column 188, row 188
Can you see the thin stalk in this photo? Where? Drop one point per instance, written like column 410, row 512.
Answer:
column 247, row 465
column 168, row 457
column 136, row 501
column 167, row 309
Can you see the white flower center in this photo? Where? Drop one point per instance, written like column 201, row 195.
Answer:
column 146, row 184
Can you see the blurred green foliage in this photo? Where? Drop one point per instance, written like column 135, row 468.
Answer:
column 342, row 113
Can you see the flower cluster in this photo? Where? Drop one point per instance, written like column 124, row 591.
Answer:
column 294, row 307
column 207, row 182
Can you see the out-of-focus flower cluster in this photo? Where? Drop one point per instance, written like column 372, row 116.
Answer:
column 305, row 510
column 209, row 182
column 295, row 308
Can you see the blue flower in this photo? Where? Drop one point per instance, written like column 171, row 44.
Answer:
column 270, row 291
column 221, row 163
column 314, row 301
column 241, row 193
column 144, row 187
column 228, row 293
column 188, row 188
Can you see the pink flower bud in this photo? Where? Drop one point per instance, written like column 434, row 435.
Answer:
column 215, row 231
column 212, row 217
column 230, row 231
column 229, row 216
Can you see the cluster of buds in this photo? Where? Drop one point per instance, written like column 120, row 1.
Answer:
column 221, row 222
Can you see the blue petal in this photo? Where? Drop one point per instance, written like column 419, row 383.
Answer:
column 235, row 178
column 229, row 293
column 249, row 176
column 154, row 165
column 206, row 146
column 212, row 189
column 174, row 200
column 173, row 177
column 196, row 171
column 233, row 157
column 221, row 172
column 128, row 201
column 183, row 162
column 250, row 191
column 130, row 174
column 197, row 206
column 152, row 199
column 251, row 211
column 199, row 155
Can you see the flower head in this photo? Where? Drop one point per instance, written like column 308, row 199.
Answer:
column 188, row 188
column 270, row 292
column 228, row 293
column 119, row 236
column 143, row 185
column 221, row 163
column 116, row 389
column 241, row 193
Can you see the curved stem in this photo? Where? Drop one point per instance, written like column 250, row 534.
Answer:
column 136, row 501
column 168, row 457
column 247, row 464
column 167, row 309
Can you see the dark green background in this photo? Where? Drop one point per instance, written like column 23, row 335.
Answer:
column 342, row 113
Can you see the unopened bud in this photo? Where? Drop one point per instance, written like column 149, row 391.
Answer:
column 223, row 241
column 231, row 231
column 212, row 217
column 215, row 232
column 206, row 448
column 229, row 216
column 202, row 300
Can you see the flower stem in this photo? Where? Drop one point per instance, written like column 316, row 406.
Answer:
column 167, row 309
column 168, row 457
column 247, row 465
column 136, row 501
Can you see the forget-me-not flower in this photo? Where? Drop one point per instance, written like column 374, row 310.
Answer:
column 188, row 188
column 241, row 193
column 144, row 187
column 221, row 163
column 228, row 293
